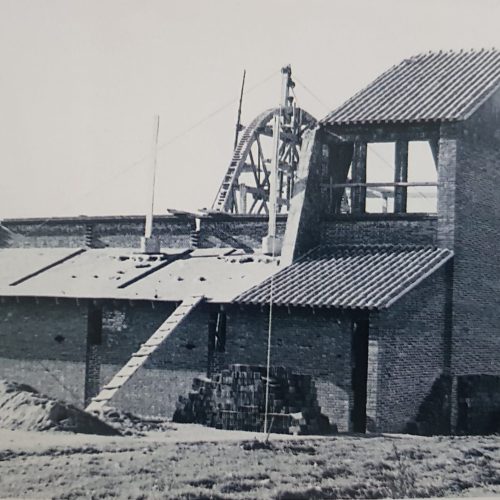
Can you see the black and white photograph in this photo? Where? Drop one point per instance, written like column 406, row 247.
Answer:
column 249, row 249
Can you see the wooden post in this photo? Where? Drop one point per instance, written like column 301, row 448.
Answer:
column 149, row 214
column 358, row 195
column 243, row 198
column 212, row 330
column 401, row 175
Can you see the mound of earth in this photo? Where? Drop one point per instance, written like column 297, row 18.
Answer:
column 24, row 408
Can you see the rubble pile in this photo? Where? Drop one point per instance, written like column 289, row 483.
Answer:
column 132, row 425
column 24, row 408
column 235, row 399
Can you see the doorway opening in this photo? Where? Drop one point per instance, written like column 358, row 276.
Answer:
column 359, row 343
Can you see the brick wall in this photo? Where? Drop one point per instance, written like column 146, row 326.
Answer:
column 44, row 345
column 387, row 229
column 237, row 231
column 317, row 344
column 476, row 295
column 407, row 352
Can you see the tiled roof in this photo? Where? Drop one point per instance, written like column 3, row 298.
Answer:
column 435, row 86
column 219, row 274
column 364, row 277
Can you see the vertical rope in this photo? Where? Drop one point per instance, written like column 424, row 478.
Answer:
column 268, row 362
column 270, row 320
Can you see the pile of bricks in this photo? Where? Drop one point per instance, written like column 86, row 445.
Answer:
column 235, row 399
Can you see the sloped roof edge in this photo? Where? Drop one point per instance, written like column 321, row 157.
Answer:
column 371, row 277
column 428, row 87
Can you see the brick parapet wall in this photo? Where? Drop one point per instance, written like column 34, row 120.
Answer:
column 125, row 232
column 349, row 230
column 406, row 355
column 238, row 232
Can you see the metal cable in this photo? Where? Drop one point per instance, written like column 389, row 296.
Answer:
column 116, row 173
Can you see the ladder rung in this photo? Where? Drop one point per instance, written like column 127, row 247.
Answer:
column 105, row 395
column 139, row 358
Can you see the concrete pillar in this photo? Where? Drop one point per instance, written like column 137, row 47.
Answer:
column 194, row 235
column 303, row 228
column 93, row 356
column 89, row 235
column 243, row 198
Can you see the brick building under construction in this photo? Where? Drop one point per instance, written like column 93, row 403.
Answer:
column 394, row 312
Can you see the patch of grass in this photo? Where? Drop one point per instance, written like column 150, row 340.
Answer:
column 401, row 483
column 340, row 467
column 257, row 445
column 237, row 486
column 298, row 448
column 204, row 483
column 336, row 471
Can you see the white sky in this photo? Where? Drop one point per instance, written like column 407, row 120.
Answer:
column 80, row 82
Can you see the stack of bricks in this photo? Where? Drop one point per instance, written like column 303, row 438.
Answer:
column 235, row 399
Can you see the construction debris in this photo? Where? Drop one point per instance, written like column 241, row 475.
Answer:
column 24, row 408
column 129, row 424
column 235, row 399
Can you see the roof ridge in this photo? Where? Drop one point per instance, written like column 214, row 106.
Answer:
column 435, row 86
column 462, row 50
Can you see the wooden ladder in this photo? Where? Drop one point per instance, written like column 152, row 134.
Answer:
column 140, row 357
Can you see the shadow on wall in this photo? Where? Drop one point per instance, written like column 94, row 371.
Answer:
column 5, row 237
column 433, row 417
column 229, row 240
column 478, row 404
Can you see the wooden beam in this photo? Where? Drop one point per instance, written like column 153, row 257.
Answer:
column 358, row 193
column 401, row 176
column 383, row 132
column 379, row 184
column 152, row 270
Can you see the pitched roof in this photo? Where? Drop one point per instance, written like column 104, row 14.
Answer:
column 364, row 277
column 435, row 86
column 219, row 274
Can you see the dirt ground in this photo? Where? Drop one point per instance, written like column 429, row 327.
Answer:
column 194, row 462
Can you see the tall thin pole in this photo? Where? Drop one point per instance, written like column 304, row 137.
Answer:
column 149, row 216
column 273, row 179
column 285, row 73
column 238, row 121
